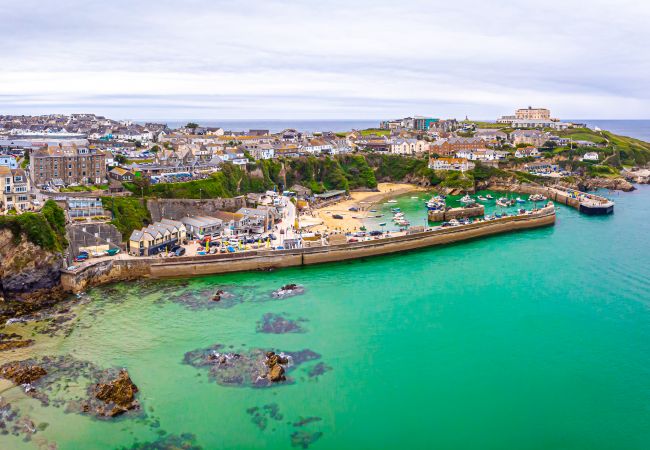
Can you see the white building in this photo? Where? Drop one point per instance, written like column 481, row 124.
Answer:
column 590, row 156
column 450, row 164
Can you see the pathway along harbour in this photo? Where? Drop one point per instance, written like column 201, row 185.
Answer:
column 530, row 340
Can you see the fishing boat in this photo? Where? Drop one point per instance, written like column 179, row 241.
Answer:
column 467, row 200
column 520, row 200
column 489, row 197
column 537, row 198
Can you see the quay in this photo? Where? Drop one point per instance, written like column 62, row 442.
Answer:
column 586, row 203
column 456, row 213
column 154, row 267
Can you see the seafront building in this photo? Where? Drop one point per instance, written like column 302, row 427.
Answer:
column 68, row 164
column 156, row 238
column 15, row 188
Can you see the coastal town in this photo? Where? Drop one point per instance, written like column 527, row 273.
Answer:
column 129, row 190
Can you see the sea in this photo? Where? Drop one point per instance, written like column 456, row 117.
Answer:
column 639, row 129
column 538, row 339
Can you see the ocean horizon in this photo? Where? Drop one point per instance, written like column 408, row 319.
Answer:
column 636, row 128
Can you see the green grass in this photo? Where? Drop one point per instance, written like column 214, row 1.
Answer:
column 377, row 131
column 85, row 188
column 492, row 125
column 45, row 229
column 129, row 213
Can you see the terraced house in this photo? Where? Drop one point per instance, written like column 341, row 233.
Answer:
column 68, row 164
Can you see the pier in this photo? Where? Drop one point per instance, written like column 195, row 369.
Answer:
column 155, row 267
column 456, row 213
column 584, row 202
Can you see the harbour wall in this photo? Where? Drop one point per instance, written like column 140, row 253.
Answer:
column 556, row 194
column 129, row 269
column 456, row 213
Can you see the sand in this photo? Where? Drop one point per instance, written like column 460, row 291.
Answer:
column 362, row 200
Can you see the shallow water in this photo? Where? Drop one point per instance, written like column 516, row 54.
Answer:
column 532, row 340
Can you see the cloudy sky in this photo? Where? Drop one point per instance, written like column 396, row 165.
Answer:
column 213, row 59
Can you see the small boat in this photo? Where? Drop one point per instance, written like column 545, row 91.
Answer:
column 395, row 210
column 467, row 200
column 503, row 202
column 373, row 210
column 537, row 198
column 489, row 197
column 481, row 198
column 391, row 201
column 383, row 224
column 337, row 216
column 415, row 198
column 520, row 200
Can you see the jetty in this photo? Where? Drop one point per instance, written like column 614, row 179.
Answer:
column 584, row 202
column 155, row 267
column 439, row 215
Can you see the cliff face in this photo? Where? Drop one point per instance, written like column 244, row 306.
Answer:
column 29, row 276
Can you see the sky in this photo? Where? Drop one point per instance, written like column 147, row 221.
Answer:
column 275, row 59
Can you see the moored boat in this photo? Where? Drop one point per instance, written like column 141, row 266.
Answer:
column 467, row 200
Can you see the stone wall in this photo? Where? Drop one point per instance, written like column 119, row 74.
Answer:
column 120, row 270
column 178, row 208
column 456, row 213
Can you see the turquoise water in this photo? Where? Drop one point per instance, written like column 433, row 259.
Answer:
column 412, row 205
column 532, row 340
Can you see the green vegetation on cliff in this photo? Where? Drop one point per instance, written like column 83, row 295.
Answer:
column 129, row 213
column 45, row 229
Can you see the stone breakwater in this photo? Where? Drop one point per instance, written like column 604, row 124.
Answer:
column 456, row 213
column 120, row 270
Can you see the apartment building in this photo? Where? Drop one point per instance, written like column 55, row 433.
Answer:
column 68, row 164
column 531, row 113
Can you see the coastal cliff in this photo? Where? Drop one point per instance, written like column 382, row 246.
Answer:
column 31, row 257
column 30, row 276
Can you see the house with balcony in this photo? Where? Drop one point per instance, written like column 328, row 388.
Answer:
column 460, row 164
column 15, row 187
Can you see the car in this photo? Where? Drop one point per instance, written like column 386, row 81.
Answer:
column 272, row 236
column 174, row 248
column 337, row 216
column 180, row 251
column 353, row 240
column 81, row 258
column 376, row 233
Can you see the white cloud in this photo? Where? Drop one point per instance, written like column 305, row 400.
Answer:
column 334, row 59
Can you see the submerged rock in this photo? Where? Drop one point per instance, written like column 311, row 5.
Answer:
column 15, row 343
column 254, row 368
column 118, row 395
column 304, row 439
column 22, row 372
column 288, row 290
column 185, row 441
column 261, row 416
column 277, row 324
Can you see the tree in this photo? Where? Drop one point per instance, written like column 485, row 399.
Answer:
column 192, row 125
column 154, row 149
column 121, row 159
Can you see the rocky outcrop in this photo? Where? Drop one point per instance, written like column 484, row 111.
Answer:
column 22, row 372
column 288, row 290
column 275, row 364
column 29, row 276
column 640, row 176
column 118, row 395
column 590, row 184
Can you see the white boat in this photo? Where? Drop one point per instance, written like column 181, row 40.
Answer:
column 520, row 200
column 415, row 198
column 503, row 202
column 391, row 201
column 467, row 200
column 481, row 198
column 489, row 197
column 537, row 198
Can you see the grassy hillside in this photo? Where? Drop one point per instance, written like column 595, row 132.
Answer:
column 129, row 213
column 45, row 229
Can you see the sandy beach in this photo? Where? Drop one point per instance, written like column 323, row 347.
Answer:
column 363, row 200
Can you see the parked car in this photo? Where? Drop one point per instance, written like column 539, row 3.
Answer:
column 81, row 257
column 180, row 251
column 273, row 236
column 376, row 233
